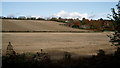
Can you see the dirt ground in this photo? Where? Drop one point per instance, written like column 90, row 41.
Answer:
column 58, row 43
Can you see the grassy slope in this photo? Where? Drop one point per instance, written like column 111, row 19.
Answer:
column 34, row 25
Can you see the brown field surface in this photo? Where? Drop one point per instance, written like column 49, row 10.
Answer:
column 58, row 43
column 34, row 25
column 78, row 44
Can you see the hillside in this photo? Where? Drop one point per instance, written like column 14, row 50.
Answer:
column 34, row 25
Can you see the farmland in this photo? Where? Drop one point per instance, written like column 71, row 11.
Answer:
column 34, row 25
column 40, row 42
column 56, row 43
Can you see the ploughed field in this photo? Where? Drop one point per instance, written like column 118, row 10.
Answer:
column 57, row 43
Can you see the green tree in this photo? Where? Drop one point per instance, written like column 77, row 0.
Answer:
column 115, row 17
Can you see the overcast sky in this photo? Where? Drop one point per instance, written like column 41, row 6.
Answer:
column 91, row 10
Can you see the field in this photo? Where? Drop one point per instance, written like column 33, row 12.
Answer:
column 34, row 25
column 78, row 44
column 57, row 43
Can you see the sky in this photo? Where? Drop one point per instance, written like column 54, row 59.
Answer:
column 59, row 0
column 90, row 10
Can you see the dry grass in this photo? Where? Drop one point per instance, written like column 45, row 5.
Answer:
column 34, row 25
column 53, row 43
column 57, row 43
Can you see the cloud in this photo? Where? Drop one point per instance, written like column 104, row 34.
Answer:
column 73, row 15
column 11, row 15
column 35, row 16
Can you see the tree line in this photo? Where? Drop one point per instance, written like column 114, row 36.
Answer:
column 21, row 18
column 96, row 25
